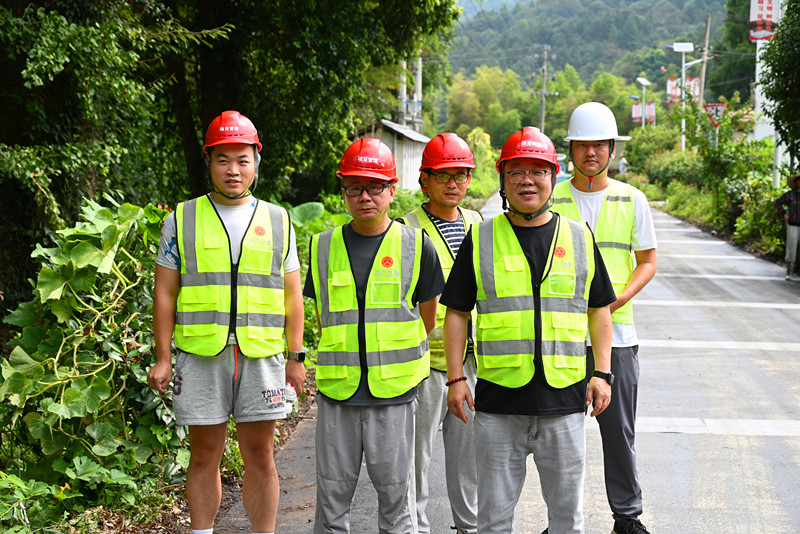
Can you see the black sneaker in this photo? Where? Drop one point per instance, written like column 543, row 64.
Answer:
column 629, row 526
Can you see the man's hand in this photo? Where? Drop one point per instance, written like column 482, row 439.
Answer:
column 599, row 392
column 296, row 375
column 159, row 376
column 457, row 394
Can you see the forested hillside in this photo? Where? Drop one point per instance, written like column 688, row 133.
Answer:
column 593, row 36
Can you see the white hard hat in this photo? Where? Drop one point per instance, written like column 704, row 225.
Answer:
column 592, row 121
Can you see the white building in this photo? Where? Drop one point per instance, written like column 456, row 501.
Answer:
column 406, row 145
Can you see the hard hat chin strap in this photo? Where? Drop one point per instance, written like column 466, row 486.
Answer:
column 591, row 176
column 249, row 189
column 527, row 216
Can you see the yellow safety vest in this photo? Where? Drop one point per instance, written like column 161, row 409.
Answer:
column 506, row 344
column 419, row 219
column 615, row 223
column 213, row 290
column 397, row 351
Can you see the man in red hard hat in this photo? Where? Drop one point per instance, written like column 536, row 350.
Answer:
column 445, row 174
column 539, row 285
column 375, row 283
column 227, row 291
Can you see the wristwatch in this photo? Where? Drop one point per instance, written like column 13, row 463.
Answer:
column 297, row 356
column 608, row 377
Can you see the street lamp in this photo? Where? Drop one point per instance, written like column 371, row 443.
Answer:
column 644, row 83
column 683, row 48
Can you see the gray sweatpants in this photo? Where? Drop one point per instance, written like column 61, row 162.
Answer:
column 384, row 437
column 459, row 450
column 617, row 429
column 558, row 445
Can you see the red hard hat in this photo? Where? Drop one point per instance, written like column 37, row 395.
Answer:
column 368, row 157
column 447, row 150
column 231, row 127
column 529, row 143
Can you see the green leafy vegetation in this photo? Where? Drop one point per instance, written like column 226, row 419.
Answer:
column 80, row 425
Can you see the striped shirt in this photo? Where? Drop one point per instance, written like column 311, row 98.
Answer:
column 452, row 231
column 790, row 201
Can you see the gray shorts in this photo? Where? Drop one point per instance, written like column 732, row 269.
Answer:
column 208, row 390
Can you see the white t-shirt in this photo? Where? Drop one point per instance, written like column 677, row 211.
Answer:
column 236, row 219
column 643, row 237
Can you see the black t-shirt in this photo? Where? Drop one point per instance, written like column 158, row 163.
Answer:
column 361, row 251
column 537, row 397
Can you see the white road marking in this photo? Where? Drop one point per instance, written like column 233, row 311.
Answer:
column 726, row 345
column 729, row 427
column 717, row 276
column 717, row 304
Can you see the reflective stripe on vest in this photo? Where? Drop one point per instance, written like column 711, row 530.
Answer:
column 205, row 302
column 397, row 352
column 419, row 219
column 612, row 232
column 506, row 344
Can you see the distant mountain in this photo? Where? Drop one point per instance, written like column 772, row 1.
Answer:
column 592, row 35
column 471, row 7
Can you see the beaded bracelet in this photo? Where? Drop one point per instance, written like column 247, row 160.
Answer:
column 453, row 381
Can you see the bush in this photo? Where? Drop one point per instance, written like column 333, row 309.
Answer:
column 760, row 227
column 689, row 203
column 648, row 142
column 80, row 426
column 684, row 167
column 651, row 191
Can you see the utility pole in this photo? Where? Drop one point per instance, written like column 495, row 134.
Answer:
column 402, row 95
column 544, row 87
column 543, row 93
column 703, row 63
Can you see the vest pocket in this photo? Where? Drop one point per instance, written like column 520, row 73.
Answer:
column 213, row 241
column 561, row 284
column 384, row 294
column 398, row 348
column 340, row 291
column 570, row 326
column 496, row 332
column 511, row 278
column 257, row 258
column 199, row 330
column 198, row 298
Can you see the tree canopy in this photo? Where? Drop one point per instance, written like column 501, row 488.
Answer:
column 113, row 96
column 780, row 79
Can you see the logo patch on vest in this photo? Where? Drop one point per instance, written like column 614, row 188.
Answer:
column 560, row 252
column 260, row 231
column 387, row 261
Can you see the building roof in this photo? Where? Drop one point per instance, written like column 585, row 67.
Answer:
column 397, row 129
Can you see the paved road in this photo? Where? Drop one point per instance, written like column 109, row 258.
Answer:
column 719, row 406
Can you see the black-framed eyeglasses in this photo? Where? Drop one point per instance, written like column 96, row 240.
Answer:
column 537, row 175
column 372, row 189
column 444, row 178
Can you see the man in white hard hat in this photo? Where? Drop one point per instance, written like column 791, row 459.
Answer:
column 620, row 218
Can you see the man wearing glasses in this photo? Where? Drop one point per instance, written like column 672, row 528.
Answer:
column 539, row 284
column 375, row 283
column 444, row 177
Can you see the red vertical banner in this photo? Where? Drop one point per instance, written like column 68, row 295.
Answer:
column 636, row 112
column 764, row 16
column 650, row 112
